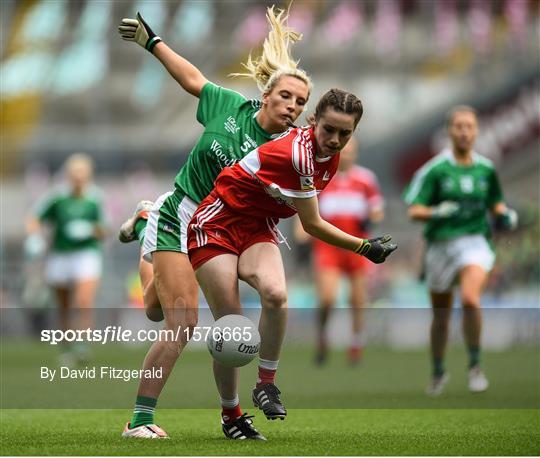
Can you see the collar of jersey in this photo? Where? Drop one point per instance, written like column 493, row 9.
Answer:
column 449, row 154
column 261, row 130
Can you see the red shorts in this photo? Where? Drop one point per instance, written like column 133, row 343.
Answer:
column 215, row 229
column 329, row 257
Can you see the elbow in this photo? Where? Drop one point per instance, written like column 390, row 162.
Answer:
column 413, row 214
column 311, row 227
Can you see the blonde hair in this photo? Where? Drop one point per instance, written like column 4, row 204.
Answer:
column 275, row 60
column 460, row 109
column 79, row 160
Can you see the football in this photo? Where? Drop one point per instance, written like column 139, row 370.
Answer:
column 233, row 340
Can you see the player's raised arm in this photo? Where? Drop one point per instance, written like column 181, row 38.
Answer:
column 184, row 72
column 376, row 250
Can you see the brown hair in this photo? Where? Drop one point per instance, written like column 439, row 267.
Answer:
column 339, row 100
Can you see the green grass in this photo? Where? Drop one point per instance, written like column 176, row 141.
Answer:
column 386, row 379
column 378, row 408
column 304, row 432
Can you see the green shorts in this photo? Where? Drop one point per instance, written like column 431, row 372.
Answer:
column 168, row 220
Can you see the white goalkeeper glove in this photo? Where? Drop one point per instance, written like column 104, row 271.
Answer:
column 139, row 31
column 445, row 209
column 34, row 246
column 507, row 220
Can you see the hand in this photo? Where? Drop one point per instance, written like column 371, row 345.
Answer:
column 34, row 246
column 507, row 220
column 139, row 31
column 445, row 209
column 377, row 249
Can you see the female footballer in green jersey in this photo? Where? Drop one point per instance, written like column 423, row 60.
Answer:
column 452, row 194
column 73, row 267
column 233, row 127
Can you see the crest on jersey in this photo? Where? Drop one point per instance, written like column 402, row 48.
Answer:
column 306, row 183
column 466, row 183
column 230, row 125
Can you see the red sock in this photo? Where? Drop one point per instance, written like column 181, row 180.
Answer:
column 229, row 415
column 265, row 376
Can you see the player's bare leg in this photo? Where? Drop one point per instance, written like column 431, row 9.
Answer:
column 132, row 229
column 442, row 309
column 177, row 290
column 358, row 301
column 84, row 295
column 218, row 279
column 327, row 282
column 219, row 282
column 472, row 281
column 152, row 306
column 261, row 267
column 63, row 298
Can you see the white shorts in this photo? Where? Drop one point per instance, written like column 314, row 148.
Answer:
column 62, row 269
column 166, row 229
column 445, row 259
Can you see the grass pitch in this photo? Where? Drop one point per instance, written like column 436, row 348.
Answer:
column 304, row 432
column 378, row 408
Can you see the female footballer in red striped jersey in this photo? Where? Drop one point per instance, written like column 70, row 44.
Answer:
column 351, row 201
column 233, row 234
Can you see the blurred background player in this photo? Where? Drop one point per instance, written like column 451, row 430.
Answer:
column 351, row 202
column 233, row 236
column 73, row 269
column 233, row 127
column 452, row 194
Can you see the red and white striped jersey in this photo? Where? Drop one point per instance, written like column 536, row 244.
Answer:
column 350, row 198
column 265, row 181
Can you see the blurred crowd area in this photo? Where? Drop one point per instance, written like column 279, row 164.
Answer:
column 69, row 83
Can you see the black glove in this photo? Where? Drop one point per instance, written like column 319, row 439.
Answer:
column 377, row 249
column 139, row 31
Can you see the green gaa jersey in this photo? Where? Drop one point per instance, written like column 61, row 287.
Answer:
column 474, row 187
column 231, row 131
column 73, row 219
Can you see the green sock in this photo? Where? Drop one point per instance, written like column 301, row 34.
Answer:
column 474, row 356
column 438, row 367
column 143, row 413
column 140, row 229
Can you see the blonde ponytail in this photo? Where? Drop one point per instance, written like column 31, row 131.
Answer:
column 275, row 60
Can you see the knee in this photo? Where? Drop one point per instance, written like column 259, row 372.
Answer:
column 470, row 301
column 181, row 323
column 326, row 303
column 441, row 318
column 190, row 325
column 274, row 297
column 154, row 314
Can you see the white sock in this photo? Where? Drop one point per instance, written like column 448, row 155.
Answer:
column 267, row 364
column 230, row 403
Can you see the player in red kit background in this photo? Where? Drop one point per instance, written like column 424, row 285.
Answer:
column 351, row 202
column 233, row 233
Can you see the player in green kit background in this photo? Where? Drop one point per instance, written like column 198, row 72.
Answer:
column 73, row 269
column 452, row 194
column 233, row 126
